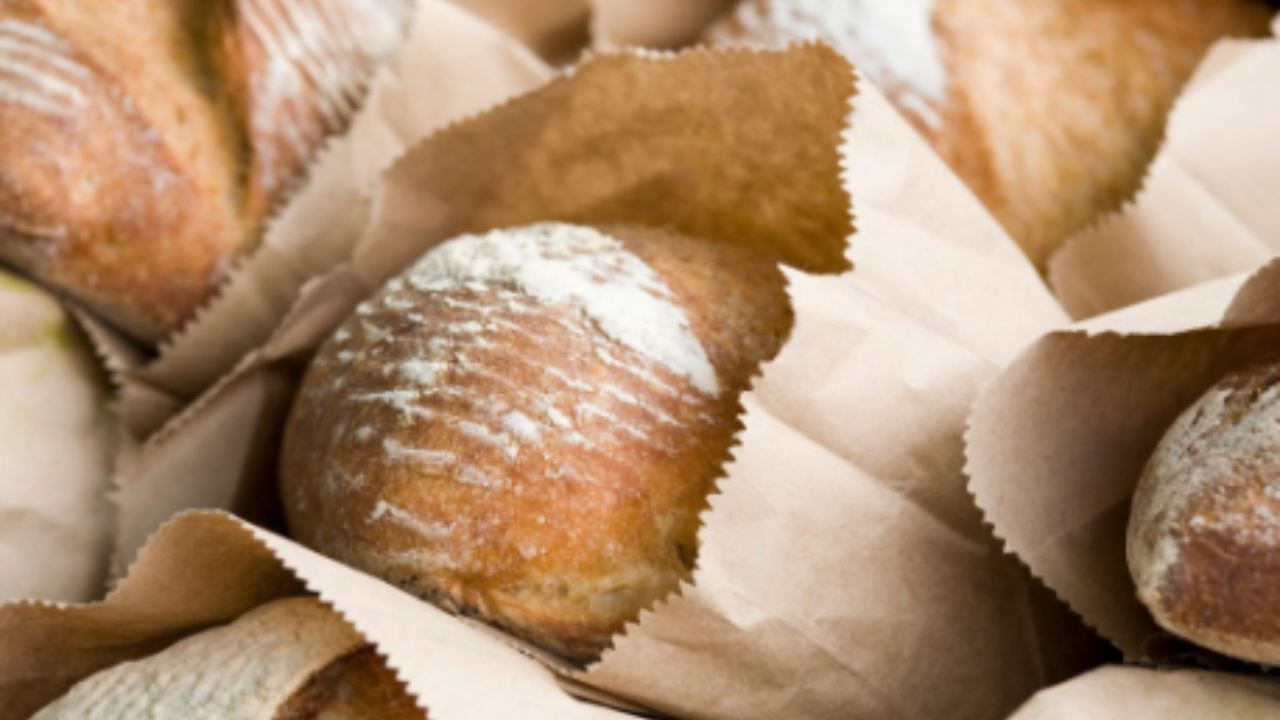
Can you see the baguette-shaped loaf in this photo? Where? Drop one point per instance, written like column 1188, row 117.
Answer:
column 526, row 425
column 291, row 659
column 1050, row 110
column 1204, row 529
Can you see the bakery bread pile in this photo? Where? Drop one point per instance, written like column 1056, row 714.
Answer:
column 145, row 142
column 1049, row 111
column 1205, row 522
column 526, row 425
column 291, row 659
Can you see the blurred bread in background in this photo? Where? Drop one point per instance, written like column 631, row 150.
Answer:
column 57, row 444
column 144, row 142
column 1050, row 110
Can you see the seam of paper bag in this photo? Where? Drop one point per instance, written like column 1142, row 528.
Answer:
column 1134, row 200
column 261, row 242
column 980, row 500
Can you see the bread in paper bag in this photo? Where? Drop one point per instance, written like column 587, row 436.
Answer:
column 842, row 567
column 1050, row 110
column 291, row 659
column 525, row 425
column 145, row 142
column 57, row 441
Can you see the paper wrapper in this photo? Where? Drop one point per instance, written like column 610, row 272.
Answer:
column 204, row 569
column 1124, row 693
column 1207, row 209
column 652, row 23
column 1058, row 442
column 843, row 569
column 451, row 65
column 57, row 440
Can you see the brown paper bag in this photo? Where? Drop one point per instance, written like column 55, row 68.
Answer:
column 1207, row 208
column 1122, row 693
column 207, row 568
column 653, row 23
column 843, row 569
column 450, row 66
column 1058, row 441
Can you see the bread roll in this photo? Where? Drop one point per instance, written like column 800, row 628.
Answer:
column 57, row 443
column 526, row 424
column 1204, row 530
column 1050, row 110
column 124, row 179
column 291, row 659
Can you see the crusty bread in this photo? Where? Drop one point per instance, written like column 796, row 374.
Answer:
column 117, row 174
column 292, row 659
column 1204, row 530
column 296, row 70
column 526, row 424
column 1050, row 110
column 126, row 176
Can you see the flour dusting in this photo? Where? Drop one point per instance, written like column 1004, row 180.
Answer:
column 558, row 263
column 37, row 71
column 892, row 41
column 1199, row 451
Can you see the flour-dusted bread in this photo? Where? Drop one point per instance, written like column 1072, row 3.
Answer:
column 1204, row 530
column 1050, row 110
column 291, row 659
column 296, row 71
column 526, row 424
column 127, row 176
column 57, row 443
column 117, row 174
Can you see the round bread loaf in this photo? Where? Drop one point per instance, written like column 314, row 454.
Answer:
column 290, row 659
column 57, row 443
column 526, row 425
column 1204, row 530
column 126, row 177
column 1050, row 110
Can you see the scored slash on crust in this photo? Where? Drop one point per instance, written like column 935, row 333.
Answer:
column 37, row 72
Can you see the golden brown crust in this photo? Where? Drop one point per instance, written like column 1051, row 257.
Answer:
column 1060, row 106
column 1204, row 532
column 358, row 686
column 127, row 178
column 296, row 71
column 506, row 457
column 118, row 175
